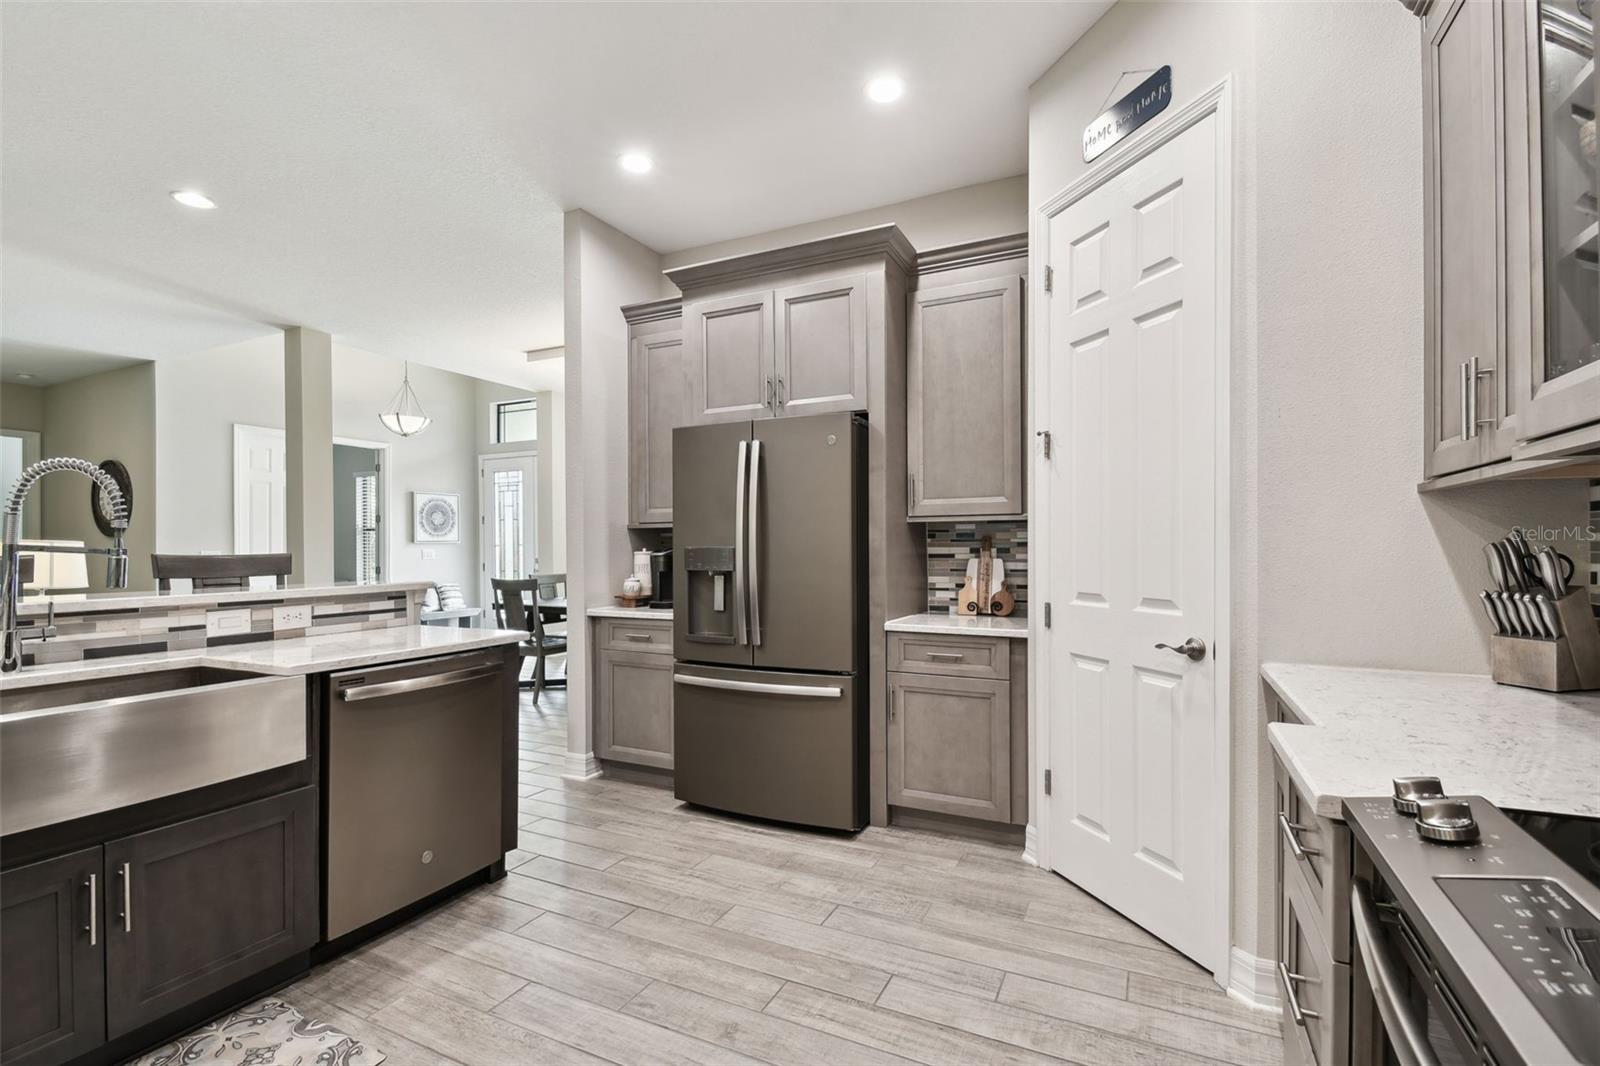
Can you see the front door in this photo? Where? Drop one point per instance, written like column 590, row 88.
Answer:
column 509, row 547
column 1129, row 544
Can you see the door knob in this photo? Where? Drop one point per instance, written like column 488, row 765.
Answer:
column 1194, row 648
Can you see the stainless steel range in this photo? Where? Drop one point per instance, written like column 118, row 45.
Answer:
column 1475, row 941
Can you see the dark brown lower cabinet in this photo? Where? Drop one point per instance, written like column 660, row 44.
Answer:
column 52, row 978
column 194, row 907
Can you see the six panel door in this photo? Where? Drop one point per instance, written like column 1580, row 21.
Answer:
column 728, row 344
column 194, row 907
column 52, row 976
column 661, row 400
column 820, row 352
column 964, row 399
column 635, row 697
column 950, row 745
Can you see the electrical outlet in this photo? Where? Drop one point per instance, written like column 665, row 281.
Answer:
column 429, row 554
column 228, row 623
column 297, row 617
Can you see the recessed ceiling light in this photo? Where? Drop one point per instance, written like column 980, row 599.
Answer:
column 636, row 163
column 24, row 376
column 192, row 198
column 886, row 88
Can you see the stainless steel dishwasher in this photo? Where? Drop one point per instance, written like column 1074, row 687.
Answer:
column 413, row 782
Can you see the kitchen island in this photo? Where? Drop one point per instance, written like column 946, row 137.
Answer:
column 186, row 827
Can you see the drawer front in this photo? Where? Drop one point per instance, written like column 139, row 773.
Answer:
column 619, row 634
column 1317, row 852
column 952, row 656
column 1310, row 979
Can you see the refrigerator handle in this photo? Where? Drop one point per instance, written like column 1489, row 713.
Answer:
column 741, row 484
column 754, row 565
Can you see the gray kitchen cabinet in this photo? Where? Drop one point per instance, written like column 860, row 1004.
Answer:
column 964, row 399
column 728, row 344
column 52, row 960
column 660, row 399
column 820, row 346
column 633, row 691
column 957, row 725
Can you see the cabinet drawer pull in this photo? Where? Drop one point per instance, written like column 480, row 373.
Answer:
column 127, row 897
column 93, row 928
column 1297, row 1012
column 946, row 656
column 1290, row 833
column 639, row 638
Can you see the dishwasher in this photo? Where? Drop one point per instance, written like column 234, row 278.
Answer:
column 413, row 782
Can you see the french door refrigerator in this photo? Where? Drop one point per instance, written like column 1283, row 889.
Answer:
column 769, row 521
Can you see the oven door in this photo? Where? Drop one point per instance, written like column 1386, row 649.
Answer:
column 1400, row 1012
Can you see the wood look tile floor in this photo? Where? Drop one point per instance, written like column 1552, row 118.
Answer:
column 632, row 929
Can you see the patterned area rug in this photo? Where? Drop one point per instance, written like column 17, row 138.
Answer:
column 268, row 1032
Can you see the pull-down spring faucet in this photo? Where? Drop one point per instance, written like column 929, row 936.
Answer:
column 11, row 536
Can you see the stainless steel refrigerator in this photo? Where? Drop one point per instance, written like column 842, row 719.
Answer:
column 769, row 521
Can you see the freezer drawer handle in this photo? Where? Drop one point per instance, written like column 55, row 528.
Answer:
column 357, row 693
column 819, row 692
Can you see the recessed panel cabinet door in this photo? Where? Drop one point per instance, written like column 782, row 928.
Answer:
column 635, row 697
column 821, row 346
column 1464, row 253
column 661, row 400
column 950, row 745
column 728, row 343
column 52, row 975
column 194, row 907
column 964, row 399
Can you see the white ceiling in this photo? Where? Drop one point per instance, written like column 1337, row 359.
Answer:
column 396, row 173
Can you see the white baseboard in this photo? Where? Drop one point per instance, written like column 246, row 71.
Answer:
column 1030, row 844
column 582, row 767
column 1253, row 981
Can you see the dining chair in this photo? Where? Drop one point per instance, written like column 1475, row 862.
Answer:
column 511, row 611
column 208, row 572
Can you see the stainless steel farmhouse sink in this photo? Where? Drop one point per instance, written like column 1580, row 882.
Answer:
column 82, row 747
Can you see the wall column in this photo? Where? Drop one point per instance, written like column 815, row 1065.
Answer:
column 308, row 452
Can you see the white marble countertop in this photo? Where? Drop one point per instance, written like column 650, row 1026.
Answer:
column 1522, row 749
column 960, row 625
column 294, row 655
column 116, row 600
column 636, row 613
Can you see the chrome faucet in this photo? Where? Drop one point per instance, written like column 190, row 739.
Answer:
column 11, row 536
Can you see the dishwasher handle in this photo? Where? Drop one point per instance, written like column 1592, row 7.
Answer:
column 356, row 693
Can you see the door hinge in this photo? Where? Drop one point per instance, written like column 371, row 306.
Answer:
column 1047, row 782
column 1047, row 616
column 1044, row 436
column 1049, row 278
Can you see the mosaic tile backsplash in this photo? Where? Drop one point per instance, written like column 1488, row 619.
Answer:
column 951, row 544
column 102, row 634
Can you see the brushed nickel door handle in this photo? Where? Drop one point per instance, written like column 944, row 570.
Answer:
column 127, row 897
column 1194, row 648
column 93, row 928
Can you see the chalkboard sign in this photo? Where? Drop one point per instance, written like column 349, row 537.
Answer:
column 1148, row 99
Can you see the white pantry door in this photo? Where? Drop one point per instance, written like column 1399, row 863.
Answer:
column 1130, row 544
column 259, row 484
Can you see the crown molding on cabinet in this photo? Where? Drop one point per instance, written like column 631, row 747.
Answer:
column 653, row 310
column 972, row 253
column 884, row 240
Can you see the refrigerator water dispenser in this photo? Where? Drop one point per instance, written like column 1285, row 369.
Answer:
column 708, row 600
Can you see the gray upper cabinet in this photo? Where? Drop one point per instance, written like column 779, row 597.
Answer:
column 660, row 399
column 728, row 344
column 964, row 399
column 820, row 348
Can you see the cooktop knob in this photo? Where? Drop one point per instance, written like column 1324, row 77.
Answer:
column 1446, row 821
column 1408, row 790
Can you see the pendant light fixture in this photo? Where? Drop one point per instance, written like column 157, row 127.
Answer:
column 404, row 415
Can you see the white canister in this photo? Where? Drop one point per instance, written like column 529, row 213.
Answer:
column 630, row 587
column 641, row 570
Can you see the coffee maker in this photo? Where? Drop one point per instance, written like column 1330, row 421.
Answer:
column 661, row 578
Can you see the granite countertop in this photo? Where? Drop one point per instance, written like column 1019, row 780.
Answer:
column 960, row 625
column 1518, row 748
column 118, row 600
column 293, row 655
column 636, row 613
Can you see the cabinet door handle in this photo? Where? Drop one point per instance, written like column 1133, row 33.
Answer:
column 1467, row 426
column 1477, row 376
column 946, row 656
column 1297, row 1012
column 93, row 928
column 638, row 638
column 127, row 897
column 770, row 397
column 782, row 394
column 1290, row 833
column 891, row 705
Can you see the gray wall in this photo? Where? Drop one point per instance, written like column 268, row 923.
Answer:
column 1327, row 354
column 22, row 407
column 348, row 461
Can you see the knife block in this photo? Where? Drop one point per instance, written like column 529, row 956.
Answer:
column 1569, row 663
